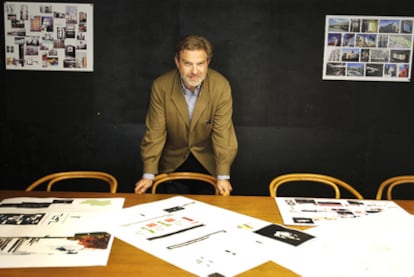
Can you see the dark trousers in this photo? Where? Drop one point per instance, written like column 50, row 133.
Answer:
column 187, row 186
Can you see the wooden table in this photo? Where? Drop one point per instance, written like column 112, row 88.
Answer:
column 126, row 260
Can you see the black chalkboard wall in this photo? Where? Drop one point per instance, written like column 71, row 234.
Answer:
column 287, row 118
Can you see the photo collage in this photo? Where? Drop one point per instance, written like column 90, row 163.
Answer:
column 368, row 48
column 48, row 36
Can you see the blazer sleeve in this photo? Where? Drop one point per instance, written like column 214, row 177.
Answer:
column 155, row 135
column 224, row 138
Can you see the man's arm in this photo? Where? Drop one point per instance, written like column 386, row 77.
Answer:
column 155, row 135
column 224, row 136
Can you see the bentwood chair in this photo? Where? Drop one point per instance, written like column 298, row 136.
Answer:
column 333, row 182
column 53, row 178
column 164, row 177
column 389, row 184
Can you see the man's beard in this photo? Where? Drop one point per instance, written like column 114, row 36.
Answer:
column 194, row 82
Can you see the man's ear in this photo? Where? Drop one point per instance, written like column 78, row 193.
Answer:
column 176, row 61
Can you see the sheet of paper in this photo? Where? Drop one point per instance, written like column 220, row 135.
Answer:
column 55, row 216
column 376, row 246
column 316, row 211
column 201, row 238
column 50, row 232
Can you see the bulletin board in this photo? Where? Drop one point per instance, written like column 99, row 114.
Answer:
column 48, row 36
column 368, row 48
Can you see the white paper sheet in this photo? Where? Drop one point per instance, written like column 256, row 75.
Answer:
column 198, row 237
column 380, row 245
column 51, row 232
column 315, row 211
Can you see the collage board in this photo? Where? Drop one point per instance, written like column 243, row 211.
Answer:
column 48, row 36
column 368, row 48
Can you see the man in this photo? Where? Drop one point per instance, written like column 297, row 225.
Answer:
column 189, row 121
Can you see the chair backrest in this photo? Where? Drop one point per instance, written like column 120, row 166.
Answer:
column 164, row 177
column 392, row 182
column 53, row 178
column 333, row 182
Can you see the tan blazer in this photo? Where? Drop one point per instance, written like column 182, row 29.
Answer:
column 170, row 134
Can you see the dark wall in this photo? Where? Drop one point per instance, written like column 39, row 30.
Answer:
column 287, row 119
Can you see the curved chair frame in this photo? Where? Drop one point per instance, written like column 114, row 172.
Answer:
column 328, row 180
column 163, row 177
column 57, row 177
column 392, row 182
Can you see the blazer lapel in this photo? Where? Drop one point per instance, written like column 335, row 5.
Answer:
column 201, row 104
column 177, row 97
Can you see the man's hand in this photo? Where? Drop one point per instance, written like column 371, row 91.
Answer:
column 224, row 187
column 142, row 185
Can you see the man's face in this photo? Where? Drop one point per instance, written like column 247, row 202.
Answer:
column 192, row 65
